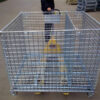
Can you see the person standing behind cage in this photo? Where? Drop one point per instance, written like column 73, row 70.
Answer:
column 47, row 6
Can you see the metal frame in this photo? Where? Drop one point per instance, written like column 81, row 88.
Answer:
column 31, row 70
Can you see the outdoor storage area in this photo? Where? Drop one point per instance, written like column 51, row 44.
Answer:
column 68, row 62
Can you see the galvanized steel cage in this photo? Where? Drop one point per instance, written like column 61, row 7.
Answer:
column 72, row 67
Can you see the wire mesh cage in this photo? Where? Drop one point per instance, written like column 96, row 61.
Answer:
column 87, row 5
column 68, row 62
column 98, row 5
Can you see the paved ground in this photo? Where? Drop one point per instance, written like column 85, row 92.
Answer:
column 8, row 10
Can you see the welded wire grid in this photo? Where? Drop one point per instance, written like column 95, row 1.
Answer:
column 73, row 69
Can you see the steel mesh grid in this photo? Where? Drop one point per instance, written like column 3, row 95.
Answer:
column 73, row 70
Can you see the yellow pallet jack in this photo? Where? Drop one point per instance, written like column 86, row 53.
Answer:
column 52, row 47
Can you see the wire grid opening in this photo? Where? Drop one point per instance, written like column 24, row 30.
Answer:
column 72, row 69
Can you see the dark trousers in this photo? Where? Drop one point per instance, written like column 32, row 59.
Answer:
column 48, row 28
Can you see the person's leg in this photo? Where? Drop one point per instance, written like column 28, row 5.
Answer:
column 48, row 28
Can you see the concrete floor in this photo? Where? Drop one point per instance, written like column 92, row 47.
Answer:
column 8, row 10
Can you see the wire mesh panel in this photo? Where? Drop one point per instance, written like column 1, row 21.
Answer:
column 68, row 62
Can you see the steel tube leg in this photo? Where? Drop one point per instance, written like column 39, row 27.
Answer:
column 90, row 94
column 13, row 93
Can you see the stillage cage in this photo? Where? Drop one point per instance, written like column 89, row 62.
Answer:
column 68, row 62
column 87, row 5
